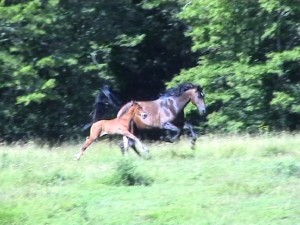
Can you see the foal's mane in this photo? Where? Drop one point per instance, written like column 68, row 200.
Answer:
column 180, row 89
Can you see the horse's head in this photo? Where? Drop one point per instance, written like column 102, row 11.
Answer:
column 197, row 98
column 138, row 110
column 190, row 92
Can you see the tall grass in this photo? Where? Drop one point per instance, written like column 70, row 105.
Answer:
column 225, row 180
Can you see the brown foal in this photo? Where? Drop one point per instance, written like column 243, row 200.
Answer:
column 119, row 126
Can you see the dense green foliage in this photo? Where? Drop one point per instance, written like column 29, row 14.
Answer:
column 55, row 54
column 226, row 180
column 250, row 62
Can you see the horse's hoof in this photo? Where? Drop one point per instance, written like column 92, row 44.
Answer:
column 168, row 139
column 147, row 157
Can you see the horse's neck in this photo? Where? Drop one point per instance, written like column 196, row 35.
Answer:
column 182, row 101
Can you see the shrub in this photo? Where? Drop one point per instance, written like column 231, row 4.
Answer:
column 127, row 174
column 288, row 168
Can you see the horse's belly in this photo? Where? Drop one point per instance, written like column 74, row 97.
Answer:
column 143, row 126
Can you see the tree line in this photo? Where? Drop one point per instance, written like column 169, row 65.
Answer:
column 56, row 54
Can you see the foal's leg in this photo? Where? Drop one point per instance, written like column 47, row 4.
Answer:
column 136, row 140
column 131, row 142
column 87, row 143
column 132, row 145
column 95, row 133
column 125, row 146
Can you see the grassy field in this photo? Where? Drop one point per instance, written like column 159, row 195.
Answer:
column 226, row 180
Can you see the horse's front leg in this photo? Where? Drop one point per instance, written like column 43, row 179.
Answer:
column 171, row 127
column 193, row 134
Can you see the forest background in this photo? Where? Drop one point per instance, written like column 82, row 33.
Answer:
column 56, row 54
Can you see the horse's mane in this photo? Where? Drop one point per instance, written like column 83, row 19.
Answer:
column 180, row 89
column 105, row 101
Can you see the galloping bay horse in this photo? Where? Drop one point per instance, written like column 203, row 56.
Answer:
column 167, row 112
column 120, row 126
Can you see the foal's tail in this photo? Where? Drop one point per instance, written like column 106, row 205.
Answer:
column 124, row 109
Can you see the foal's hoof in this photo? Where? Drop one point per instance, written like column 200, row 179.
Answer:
column 77, row 157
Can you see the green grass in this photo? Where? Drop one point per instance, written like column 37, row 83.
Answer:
column 226, row 180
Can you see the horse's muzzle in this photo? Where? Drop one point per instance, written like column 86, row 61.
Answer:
column 202, row 111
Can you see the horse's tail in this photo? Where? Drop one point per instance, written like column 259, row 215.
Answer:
column 123, row 109
column 112, row 98
column 87, row 126
column 105, row 98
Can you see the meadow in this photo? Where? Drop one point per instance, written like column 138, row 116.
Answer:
column 226, row 180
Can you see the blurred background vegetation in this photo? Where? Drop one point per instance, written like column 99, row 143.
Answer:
column 56, row 54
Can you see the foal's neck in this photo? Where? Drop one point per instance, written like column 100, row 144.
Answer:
column 129, row 114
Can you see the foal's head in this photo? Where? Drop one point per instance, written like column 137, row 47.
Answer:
column 137, row 109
